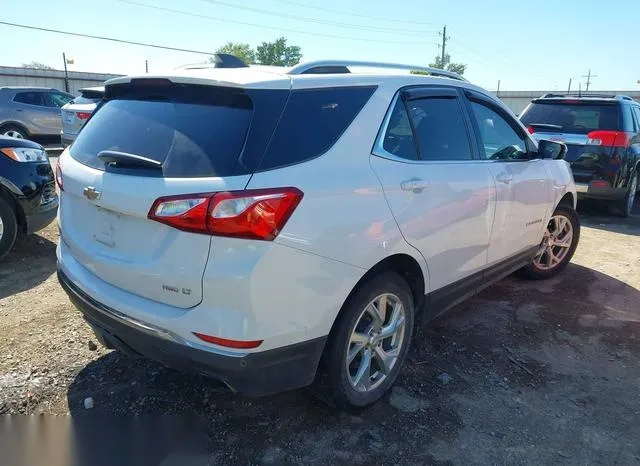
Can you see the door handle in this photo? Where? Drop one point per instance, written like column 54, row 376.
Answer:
column 414, row 184
column 504, row 178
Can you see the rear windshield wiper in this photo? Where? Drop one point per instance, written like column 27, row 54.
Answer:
column 545, row 126
column 125, row 159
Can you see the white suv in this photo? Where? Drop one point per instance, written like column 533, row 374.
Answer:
column 273, row 228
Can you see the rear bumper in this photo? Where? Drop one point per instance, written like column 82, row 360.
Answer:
column 252, row 374
column 585, row 191
column 67, row 139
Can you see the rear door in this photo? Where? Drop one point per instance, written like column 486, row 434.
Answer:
column 524, row 189
column 442, row 198
column 197, row 134
column 596, row 133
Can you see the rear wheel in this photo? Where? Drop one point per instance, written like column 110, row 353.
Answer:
column 625, row 207
column 558, row 244
column 8, row 227
column 368, row 343
column 13, row 131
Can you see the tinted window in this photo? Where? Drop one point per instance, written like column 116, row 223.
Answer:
column 577, row 118
column 30, row 98
column 398, row 139
column 440, row 130
column 58, row 99
column 636, row 112
column 312, row 122
column 628, row 123
column 190, row 139
column 499, row 140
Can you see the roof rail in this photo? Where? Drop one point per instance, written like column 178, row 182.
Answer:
column 584, row 94
column 309, row 67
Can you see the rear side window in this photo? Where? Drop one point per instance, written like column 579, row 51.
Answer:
column 199, row 135
column 440, row 130
column 398, row 139
column 636, row 114
column 30, row 98
column 573, row 117
column 312, row 122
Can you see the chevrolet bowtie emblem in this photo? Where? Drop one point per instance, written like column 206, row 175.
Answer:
column 91, row 193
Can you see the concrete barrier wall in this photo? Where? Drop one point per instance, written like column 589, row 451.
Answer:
column 10, row 76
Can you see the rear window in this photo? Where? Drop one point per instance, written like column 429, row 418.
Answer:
column 85, row 100
column 577, row 118
column 189, row 138
column 312, row 122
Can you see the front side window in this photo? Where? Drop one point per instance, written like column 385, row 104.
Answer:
column 30, row 98
column 499, row 140
column 440, row 130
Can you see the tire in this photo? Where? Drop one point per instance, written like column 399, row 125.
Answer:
column 14, row 131
column 335, row 382
column 539, row 268
column 624, row 207
column 8, row 227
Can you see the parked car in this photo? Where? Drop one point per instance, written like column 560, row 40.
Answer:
column 76, row 113
column 31, row 112
column 602, row 133
column 272, row 229
column 28, row 198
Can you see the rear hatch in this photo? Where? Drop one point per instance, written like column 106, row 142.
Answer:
column 591, row 128
column 76, row 113
column 153, row 138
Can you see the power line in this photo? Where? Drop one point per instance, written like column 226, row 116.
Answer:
column 262, row 26
column 384, row 30
column 356, row 15
column 111, row 39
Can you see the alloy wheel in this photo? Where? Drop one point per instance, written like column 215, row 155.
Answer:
column 556, row 243
column 14, row 134
column 375, row 343
column 632, row 193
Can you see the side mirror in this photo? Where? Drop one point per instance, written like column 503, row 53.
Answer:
column 551, row 150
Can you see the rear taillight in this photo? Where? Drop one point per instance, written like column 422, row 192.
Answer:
column 254, row 214
column 59, row 181
column 83, row 115
column 608, row 138
column 531, row 129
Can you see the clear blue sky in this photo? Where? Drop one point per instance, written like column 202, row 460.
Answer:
column 528, row 45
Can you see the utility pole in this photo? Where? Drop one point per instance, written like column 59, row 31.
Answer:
column 589, row 76
column 444, row 45
column 569, row 89
column 66, row 74
column 498, row 91
column 146, row 66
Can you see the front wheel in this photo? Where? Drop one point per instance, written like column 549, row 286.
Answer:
column 369, row 342
column 558, row 244
column 8, row 227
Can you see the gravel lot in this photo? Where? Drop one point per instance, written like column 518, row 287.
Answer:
column 524, row 373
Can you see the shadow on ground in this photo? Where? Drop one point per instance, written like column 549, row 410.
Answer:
column 30, row 262
column 526, row 373
column 597, row 215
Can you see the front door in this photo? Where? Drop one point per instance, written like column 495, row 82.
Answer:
column 442, row 198
column 523, row 186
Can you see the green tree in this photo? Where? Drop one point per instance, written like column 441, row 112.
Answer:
column 447, row 65
column 240, row 50
column 36, row 65
column 278, row 53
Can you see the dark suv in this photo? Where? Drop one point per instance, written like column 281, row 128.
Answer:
column 602, row 133
column 28, row 198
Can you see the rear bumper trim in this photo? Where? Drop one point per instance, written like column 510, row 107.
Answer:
column 251, row 374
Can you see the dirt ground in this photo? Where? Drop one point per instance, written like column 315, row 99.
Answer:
column 524, row 373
